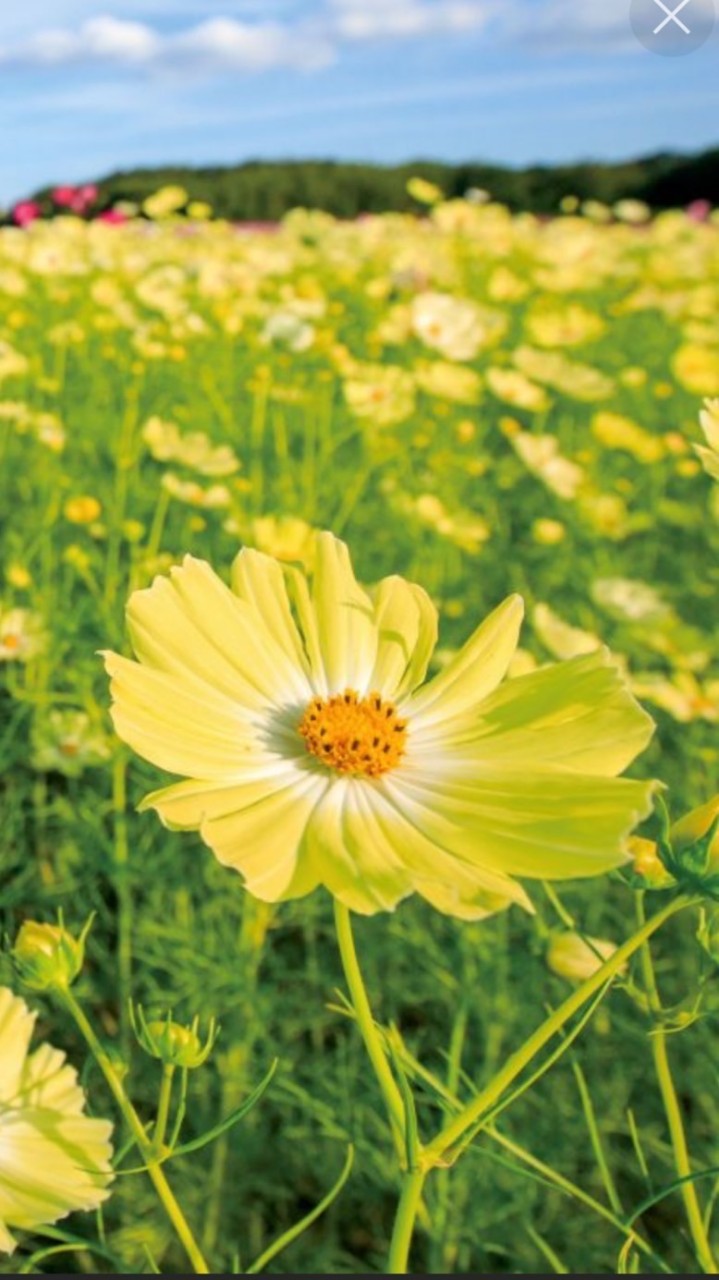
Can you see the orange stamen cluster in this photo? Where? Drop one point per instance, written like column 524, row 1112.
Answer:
column 353, row 734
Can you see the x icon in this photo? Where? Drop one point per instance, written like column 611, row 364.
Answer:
column 672, row 17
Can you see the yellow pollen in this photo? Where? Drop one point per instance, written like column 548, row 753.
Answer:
column 353, row 734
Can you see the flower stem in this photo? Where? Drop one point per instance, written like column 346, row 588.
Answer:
column 436, row 1151
column 367, row 1025
column 673, row 1113
column 163, row 1107
column 407, row 1209
column 124, row 895
column 137, row 1129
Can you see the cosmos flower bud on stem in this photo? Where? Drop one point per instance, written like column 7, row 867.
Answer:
column 688, row 849
column 47, row 957
column 576, row 958
column 175, row 1045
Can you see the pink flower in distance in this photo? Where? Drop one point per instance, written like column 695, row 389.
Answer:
column 64, row 197
column 25, row 212
column 114, row 216
column 699, row 210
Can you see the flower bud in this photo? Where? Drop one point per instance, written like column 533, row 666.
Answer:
column 47, row 957
column 576, row 958
column 695, row 826
column 173, row 1044
column 647, row 867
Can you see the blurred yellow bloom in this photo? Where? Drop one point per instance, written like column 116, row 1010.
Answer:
column 213, row 498
column 193, row 450
column 200, row 210
column 82, row 510
column 383, row 393
column 616, row 431
column 563, row 326
column 549, row 532
column 632, row 211
column 561, row 639
column 540, row 454
column 456, row 327
column 285, row 538
column 449, row 382
column 22, row 635
column 424, row 192
column 18, row 576
column 553, row 369
column 54, row 1159
column 697, row 368
column 166, row 201
column 314, row 754
column 513, row 387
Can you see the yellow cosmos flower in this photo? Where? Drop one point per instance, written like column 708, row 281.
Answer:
column 53, row 1158
column 313, row 753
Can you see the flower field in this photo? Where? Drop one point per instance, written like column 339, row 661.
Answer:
column 488, row 406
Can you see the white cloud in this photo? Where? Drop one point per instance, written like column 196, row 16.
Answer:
column 372, row 19
column 226, row 43
column 555, row 26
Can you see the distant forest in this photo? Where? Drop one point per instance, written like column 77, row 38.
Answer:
column 261, row 190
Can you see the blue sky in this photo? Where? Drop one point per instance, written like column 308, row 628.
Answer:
column 88, row 88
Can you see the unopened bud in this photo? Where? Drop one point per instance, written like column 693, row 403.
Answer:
column 172, row 1043
column 647, row 866
column 47, row 957
column 571, row 956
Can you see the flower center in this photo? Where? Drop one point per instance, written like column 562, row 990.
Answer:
column 353, row 734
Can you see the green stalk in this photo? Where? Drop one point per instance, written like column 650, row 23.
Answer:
column 124, row 895
column 407, row 1209
column 673, row 1113
column 437, row 1150
column 137, row 1129
column 163, row 1107
column 368, row 1028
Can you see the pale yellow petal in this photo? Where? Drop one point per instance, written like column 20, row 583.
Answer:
column 259, row 580
column 434, row 855
column 350, row 855
column 178, row 726
column 48, row 1081
column 301, row 600
column 541, row 823
column 16, row 1025
column 192, row 623
column 51, row 1165
column 407, row 634
column 472, row 674
column 345, row 619
column 256, row 827
column 578, row 714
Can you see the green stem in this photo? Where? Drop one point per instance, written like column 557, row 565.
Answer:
column 407, row 1209
column 436, row 1151
column 124, row 896
column 163, row 1107
column 137, row 1129
column 367, row 1025
column 673, row 1113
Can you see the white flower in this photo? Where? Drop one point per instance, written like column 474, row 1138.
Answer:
column 53, row 1158
column 456, row 327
